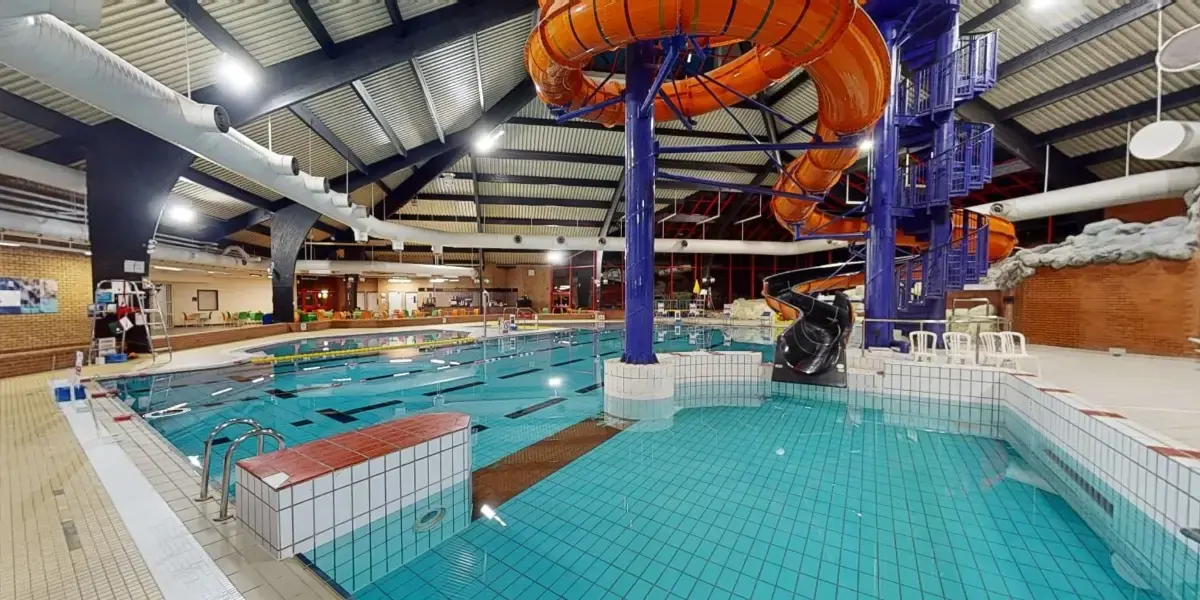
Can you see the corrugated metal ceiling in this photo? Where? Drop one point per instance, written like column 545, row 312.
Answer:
column 19, row 135
column 348, row 118
column 209, row 202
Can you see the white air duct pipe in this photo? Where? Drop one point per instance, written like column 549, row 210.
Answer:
column 85, row 13
column 1143, row 187
column 1167, row 140
column 48, row 50
column 358, row 267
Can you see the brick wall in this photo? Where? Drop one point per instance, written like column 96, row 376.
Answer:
column 1149, row 307
column 1147, row 212
column 70, row 326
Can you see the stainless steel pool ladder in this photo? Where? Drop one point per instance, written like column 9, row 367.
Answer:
column 228, row 466
column 208, row 444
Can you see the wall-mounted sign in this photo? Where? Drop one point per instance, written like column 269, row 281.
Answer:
column 28, row 296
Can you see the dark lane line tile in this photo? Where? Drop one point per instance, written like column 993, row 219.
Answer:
column 369, row 407
column 455, row 388
column 337, row 415
column 519, row 373
column 566, row 362
column 590, row 388
column 536, row 407
column 301, row 423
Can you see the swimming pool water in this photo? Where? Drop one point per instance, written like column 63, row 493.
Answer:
column 796, row 498
column 355, row 342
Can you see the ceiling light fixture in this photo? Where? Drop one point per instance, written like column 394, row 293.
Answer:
column 556, row 257
column 181, row 214
column 484, row 143
column 866, row 145
column 234, row 74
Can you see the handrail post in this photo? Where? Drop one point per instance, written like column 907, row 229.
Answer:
column 259, row 433
column 208, row 444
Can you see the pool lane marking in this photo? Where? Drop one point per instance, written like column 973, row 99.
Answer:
column 590, row 388
column 500, row 481
column 369, row 407
column 337, row 415
column 536, row 407
column 566, row 362
column 454, row 389
column 519, row 373
column 301, row 423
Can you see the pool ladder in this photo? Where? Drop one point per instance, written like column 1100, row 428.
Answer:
column 256, row 431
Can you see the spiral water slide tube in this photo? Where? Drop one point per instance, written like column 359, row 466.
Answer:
column 834, row 40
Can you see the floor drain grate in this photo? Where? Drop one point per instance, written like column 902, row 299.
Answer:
column 71, row 534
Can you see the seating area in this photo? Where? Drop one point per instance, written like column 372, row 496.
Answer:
column 225, row 318
column 1004, row 349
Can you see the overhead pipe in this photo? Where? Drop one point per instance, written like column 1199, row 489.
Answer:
column 51, row 51
column 1168, row 140
column 85, row 13
column 1143, row 187
column 358, row 267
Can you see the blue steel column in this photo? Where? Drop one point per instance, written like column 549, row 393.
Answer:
column 881, row 232
column 639, row 207
column 944, row 141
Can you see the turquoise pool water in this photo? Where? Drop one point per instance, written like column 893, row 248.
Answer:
column 796, row 498
column 354, row 342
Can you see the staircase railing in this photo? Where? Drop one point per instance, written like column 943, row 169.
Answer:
column 966, row 166
column 963, row 75
column 945, row 268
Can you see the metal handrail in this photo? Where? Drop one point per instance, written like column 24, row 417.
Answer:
column 258, row 433
column 208, row 444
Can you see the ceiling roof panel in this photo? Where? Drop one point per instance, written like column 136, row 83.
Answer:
column 414, row 8
column 348, row 119
column 19, row 135
column 283, row 132
column 502, row 56
column 450, row 76
column 344, row 20
column 398, row 95
column 1115, row 136
column 209, row 202
column 547, row 168
column 271, row 32
column 211, row 168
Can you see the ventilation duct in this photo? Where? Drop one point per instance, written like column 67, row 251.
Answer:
column 1143, row 187
column 85, row 13
column 1167, row 140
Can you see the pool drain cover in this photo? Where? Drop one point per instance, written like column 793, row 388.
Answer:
column 429, row 519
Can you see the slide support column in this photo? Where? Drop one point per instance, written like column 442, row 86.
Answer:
column 639, row 206
column 881, row 231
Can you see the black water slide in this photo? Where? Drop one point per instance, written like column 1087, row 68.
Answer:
column 812, row 348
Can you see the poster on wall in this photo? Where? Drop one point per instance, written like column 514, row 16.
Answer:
column 28, row 296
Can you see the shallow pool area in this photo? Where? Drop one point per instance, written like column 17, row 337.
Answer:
column 317, row 345
column 797, row 492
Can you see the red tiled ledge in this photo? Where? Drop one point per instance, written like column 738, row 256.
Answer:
column 299, row 498
column 313, row 459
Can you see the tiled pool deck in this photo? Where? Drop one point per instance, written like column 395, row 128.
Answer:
column 61, row 535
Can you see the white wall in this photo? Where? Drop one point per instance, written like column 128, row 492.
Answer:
column 234, row 294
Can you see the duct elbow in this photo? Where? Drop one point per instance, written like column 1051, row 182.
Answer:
column 283, row 165
column 314, row 184
column 208, row 118
column 1167, row 140
column 338, row 199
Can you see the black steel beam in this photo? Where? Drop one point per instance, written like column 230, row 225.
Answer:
column 1121, row 116
column 988, row 14
column 410, row 187
column 314, row 73
column 224, row 41
column 1102, row 156
column 315, row 27
column 516, row 201
column 588, row 125
column 604, row 159
column 1087, row 32
column 393, row 8
column 1021, row 143
column 809, row 120
column 575, row 181
column 39, row 116
column 364, row 96
column 233, row 191
column 617, row 193
column 245, row 220
column 417, row 219
column 1079, row 86
column 502, row 111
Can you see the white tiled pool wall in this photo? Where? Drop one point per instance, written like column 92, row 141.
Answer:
column 297, row 518
column 1151, row 496
column 683, row 380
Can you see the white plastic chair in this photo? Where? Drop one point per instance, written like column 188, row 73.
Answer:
column 959, row 347
column 993, row 348
column 1015, row 350
column 661, row 311
column 922, row 345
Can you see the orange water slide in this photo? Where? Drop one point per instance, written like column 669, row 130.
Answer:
column 834, row 40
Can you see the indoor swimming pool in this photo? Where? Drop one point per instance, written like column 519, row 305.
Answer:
column 796, row 497
column 355, row 342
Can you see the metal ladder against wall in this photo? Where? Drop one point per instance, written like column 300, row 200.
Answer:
column 155, row 322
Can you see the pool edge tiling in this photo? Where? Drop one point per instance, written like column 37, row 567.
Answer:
column 298, row 498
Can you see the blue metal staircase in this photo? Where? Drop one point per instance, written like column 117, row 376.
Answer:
column 931, row 182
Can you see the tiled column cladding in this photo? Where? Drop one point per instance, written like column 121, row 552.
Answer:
column 302, row 497
column 683, row 380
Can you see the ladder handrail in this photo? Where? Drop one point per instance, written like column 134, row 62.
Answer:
column 208, row 444
column 259, row 433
